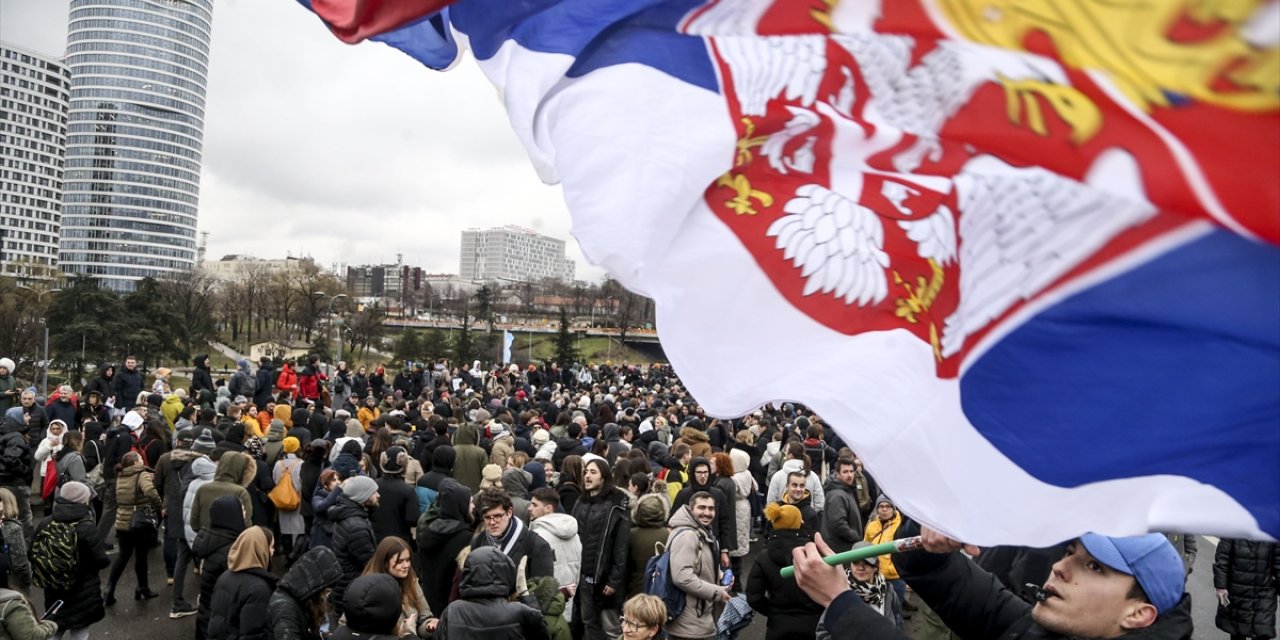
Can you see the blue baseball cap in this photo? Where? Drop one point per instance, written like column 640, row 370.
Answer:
column 1150, row 559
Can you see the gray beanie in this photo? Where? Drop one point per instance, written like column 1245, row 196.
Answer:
column 359, row 488
column 204, row 442
column 77, row 492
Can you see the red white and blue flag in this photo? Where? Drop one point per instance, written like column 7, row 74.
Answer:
column 1022, row 255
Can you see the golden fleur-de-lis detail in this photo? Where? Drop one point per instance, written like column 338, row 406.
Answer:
column 747, row 141
column 741, row 203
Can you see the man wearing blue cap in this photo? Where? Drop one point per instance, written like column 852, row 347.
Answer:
column 1103, row 587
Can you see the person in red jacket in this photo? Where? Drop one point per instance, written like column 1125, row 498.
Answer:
column 310, row 379
column 287, row 381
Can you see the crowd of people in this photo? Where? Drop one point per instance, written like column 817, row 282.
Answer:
column 295, row 502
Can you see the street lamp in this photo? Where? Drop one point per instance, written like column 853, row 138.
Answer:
column 44, row 320
column 330, row 314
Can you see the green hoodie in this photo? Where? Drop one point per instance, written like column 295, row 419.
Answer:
column 235, row 472
column 470, row 459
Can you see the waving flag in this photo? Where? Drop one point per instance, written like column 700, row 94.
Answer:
column 1022, row 255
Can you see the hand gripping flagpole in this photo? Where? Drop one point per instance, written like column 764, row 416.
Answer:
column 897, row 546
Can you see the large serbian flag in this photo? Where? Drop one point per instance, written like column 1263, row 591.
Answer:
column 1022, row 255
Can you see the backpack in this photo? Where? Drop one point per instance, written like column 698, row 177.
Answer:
column 657, row 578
column 53, row 556
column 284, row 496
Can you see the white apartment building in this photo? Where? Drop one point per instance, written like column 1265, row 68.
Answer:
column 512, row 254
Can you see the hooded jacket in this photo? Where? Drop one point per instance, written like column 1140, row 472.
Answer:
column 171, row 469
column 265, row 378
column 442, row 539
column 82, row 602
column 212, row 546
column 488, row 578
column 353, row 541
column 18, row 619
column 372, row 606
column 469, row 457
column 694, row 556
column 428, row 486
column 134, row 488
column 274, row 446
column 315, row 571
column 235, row 472
column 17, row 462
column 791, row 612
column 697, row 440
column 560, row 530
column 650, row 527
column 202, row 470
column 239, row 608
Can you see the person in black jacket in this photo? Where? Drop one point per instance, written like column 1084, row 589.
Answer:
column 1245, row 575
column 127, row 384
column 484, row 609
column 82, row 603
column 509, row 534
column 353, row 537
column 201, row 376
column 442, row 539
column 239, row 609
column 266, row 381
column 17, row 462
column 791, row 612
column 1103, row 587
column 372, row 604
column 604, row 527
column 397, row 510
column 297, row 607
column 104, row 383
column 212, row 547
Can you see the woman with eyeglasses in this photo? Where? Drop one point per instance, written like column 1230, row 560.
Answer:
column 642, row 617
column 394, row 558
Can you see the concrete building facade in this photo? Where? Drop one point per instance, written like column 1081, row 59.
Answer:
column 34, row 89
column 512, row 254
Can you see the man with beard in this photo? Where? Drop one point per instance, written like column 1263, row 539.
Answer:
column 127, row 384
column 605, row 530
column 692, row 550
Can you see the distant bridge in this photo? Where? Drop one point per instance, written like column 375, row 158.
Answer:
column 639, row 336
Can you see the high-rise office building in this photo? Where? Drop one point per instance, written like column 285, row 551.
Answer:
column 512, row 254
column 33, row 135
column 136, row 119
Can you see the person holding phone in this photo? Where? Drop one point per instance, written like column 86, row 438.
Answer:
column 18, row 621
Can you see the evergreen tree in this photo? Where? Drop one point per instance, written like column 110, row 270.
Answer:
column 435, row 345
column 463, row 349
column 84, row 318
column 566, row 347
column 408, row 347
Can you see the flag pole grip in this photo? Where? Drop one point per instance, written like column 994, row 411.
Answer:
column 853, row 555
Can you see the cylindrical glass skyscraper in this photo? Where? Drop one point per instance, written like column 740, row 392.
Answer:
column 134, row 133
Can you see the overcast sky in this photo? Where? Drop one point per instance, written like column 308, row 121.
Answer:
column 349, row 154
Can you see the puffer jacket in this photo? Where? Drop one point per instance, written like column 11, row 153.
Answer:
column 1249, row 571
column 312, row 573
column 971, row 602
column 202, row 470
column 484, row 611
column 353, row 541
column 560, row 530
column 791, row 612
column 240, row 605
column 170, row 469
column 81, row 603
column 442, row 539
column 649, row 528
column 697, row 440
column 604, row 524
column 134, row 488
column 695, row 557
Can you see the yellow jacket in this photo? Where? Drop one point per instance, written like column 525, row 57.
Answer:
column 878, row 532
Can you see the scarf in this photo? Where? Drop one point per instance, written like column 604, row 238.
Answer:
column 508, row 539
column 872, row 592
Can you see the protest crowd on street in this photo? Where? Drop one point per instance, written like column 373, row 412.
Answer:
column 519, row 502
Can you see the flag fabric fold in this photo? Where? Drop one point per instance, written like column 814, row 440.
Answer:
column 1028, row 274
column 508, row 339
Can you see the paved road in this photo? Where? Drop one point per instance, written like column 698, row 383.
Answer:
column 149, row 619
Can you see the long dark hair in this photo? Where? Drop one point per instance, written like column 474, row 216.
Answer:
column 606, row 475
column 571, row 469
column 387, row 550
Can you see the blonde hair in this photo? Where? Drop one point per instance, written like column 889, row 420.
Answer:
column 8, row 504
column 646, row 609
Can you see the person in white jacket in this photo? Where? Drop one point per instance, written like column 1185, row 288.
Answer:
column 560, row 530
column 47, row 449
